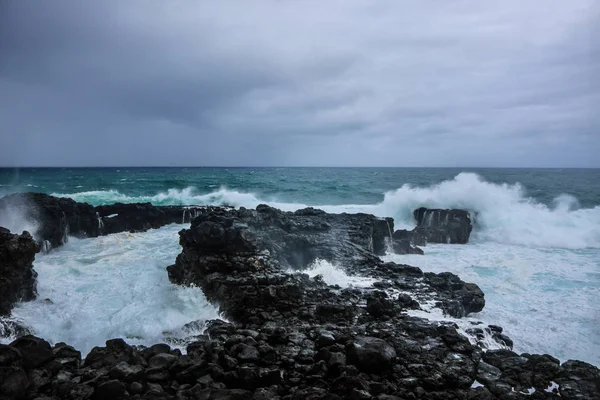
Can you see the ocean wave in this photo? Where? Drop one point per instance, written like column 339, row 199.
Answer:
column 505, row 214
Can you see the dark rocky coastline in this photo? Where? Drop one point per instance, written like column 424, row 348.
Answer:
column 58, row 218
column 289, row 336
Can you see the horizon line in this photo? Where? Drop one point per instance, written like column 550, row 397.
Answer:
column 279, row 166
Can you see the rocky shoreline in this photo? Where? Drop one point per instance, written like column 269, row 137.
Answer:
column 289, row 336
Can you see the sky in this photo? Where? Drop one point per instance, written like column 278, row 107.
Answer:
column 506, row 83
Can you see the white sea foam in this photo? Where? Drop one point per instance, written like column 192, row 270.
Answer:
column 545, row 299
column 333, row 275
column 112, row 286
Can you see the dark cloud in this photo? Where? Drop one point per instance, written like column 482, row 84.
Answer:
column 462, row 83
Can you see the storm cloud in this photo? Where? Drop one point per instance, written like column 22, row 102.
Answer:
column 337, row 83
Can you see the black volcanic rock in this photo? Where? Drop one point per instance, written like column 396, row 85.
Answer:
column 17, row 276
column 400, row 359
column 369, row 354
column 240, row 259
column 139, row 217
column 56, row 218
column 433, row 226
column 442, row 226
column 36, row 352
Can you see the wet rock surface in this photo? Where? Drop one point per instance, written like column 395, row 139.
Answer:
column 434, row 226
column 371, row 361
column 55, row 218
column 443, row 226
column 58, row 218
column 250, row 262
column 17, row 276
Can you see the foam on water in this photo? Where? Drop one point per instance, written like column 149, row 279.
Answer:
column 333, row 275
column 112, row 286
column 545, row 299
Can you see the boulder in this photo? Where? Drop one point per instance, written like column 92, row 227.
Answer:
column 35, row 352
column 17, row 276
column 442, row 226
column 370, row 354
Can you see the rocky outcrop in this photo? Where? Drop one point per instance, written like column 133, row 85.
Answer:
column 433, row 226
column 242, row 258
column 139, row 217
column 403, row 242
column 17, row 276
column 442, row 226
column 55, row 219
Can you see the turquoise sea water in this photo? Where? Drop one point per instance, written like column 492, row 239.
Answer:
column 293, row 185
column 535, row 249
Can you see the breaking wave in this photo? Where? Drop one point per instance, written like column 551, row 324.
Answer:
column 505, row 214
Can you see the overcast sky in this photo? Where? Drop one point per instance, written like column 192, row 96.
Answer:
column 349, row 83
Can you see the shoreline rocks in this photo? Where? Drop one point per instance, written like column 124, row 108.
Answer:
column 288, row 363
column 55, row 219
column 17, row 276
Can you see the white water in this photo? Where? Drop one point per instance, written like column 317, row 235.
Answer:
column 545, row 299
column 112, row 286
column 538, row 265
column 333, row 275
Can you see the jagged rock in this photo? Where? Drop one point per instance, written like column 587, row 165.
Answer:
column 442, row 226
column 433, row 226
column 17, row 276
column 239, row 258
column 405, row 247
column 116, row 351
column 13, row 382
column 162, row 360
column 408, row 302
column 140, row 217
column 126, row 372
column 10, row 356
column 55, row 218
column 110, row 390
column 36, row 352
column 578, row 380
column 369, row 354
column 466, row 297
column 58, row 218
column 81, row 392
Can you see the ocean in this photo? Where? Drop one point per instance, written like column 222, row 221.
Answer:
column 535, row 249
